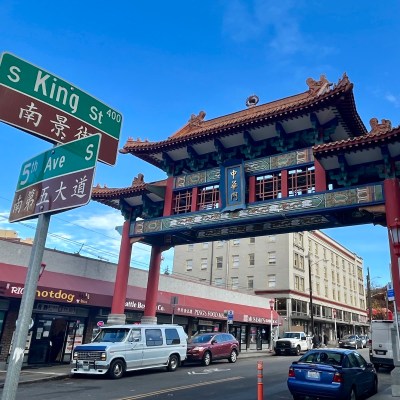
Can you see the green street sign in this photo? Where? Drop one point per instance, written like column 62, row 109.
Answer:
column 58, row 179
column 39, row 102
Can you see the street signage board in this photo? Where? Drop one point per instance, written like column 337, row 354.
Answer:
column 56, row 180
column 390, row 291
column 40, row 103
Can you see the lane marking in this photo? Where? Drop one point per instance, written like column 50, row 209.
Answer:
column 175, row 389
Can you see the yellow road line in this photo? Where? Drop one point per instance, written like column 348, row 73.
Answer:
column 174, row 389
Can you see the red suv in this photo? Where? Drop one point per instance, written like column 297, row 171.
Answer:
column 208, row 347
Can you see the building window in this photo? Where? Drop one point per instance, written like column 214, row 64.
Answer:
column 268, row 187
column 301, row 181
column 272, row 257
column 219, row 282
column 189, row 265
column 250, row 282
column 271, row 238
column 251, row 260
column 220, row 243
column 208, row 197
column 182, row 202
column 234, row 282
column 190, row 247
column 272, row 281
column 220, row 261
column 235, row 261
column 299, row 283
column 205, row 245
column 252, row 240
column 204, row 262
column 236, row 242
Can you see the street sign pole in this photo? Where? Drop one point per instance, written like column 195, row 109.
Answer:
column 25, row 310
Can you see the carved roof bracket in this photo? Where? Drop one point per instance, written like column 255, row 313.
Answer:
column 125, row 208
column 220, row 151
column 168, row 164
column 387, row 162
column 151, row 209
column 252, row 149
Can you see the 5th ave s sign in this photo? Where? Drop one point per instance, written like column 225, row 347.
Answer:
column 56, row 180
column 43, row 104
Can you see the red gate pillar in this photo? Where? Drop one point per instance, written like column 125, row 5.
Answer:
column 117, row 315
column 392, row 205
column 150, row 309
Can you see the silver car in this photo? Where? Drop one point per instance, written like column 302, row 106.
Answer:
column 351, row 341
column 364, row 340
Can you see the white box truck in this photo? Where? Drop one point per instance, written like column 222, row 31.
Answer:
column 380, row 344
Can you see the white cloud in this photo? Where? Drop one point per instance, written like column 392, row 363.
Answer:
column 106, row 221
column 391, row 98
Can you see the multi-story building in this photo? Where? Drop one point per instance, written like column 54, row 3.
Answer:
column 286, row 267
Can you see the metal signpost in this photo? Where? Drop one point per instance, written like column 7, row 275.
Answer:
column 40, row 103
column 56, row 180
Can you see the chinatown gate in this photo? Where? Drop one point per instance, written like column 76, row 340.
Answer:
column 300, row 163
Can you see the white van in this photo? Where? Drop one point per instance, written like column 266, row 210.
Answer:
column 120, row 348
column 380, row 343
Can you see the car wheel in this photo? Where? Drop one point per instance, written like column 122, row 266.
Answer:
column 375, row 387
column 173, row 363
column 277, row 352
column 353, row 394
column 233, row 356
column 207, row 358
column 117, row 369
column 376, row 366
column 298, row 350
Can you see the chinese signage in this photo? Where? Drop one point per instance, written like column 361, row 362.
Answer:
column 232, row 186
column 40, row 103
column 56, row 180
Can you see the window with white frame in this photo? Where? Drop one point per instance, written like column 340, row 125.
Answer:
column 271, row 280
column 251, row 260
column 271, row 238
column 203, row 264
column 235, row 261
column 236, row 242
column 219, row 282
column 205, row 245
column 190, row 247
column 250, row 282
column 252, row 240
column 272, row 257
column 189, row 265
column 220, row 262
column 234, row 282
column 220, row 243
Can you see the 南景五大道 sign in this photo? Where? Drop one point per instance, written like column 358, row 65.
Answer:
column 56, row 180
column 40, row 103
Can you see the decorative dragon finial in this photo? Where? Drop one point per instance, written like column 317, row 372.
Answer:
column 382, row 127
column 316, row 88
column 196, row 120
column 138, row 180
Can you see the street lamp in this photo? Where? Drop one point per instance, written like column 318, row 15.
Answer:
column 271, row 306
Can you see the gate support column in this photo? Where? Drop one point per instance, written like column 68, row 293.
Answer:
column 150, row 309
column 392, row 205
column 117, row 315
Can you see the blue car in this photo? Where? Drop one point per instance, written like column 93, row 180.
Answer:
column 332, row 374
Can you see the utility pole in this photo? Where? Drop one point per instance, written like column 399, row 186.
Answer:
column 311, row 297
column 369, row 297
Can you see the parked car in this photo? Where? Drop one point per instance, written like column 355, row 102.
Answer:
column 332, row 374
column 208, row 347
column 350, row 341
column 364, row 340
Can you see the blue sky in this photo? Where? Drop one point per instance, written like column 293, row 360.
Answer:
column 158, row 62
